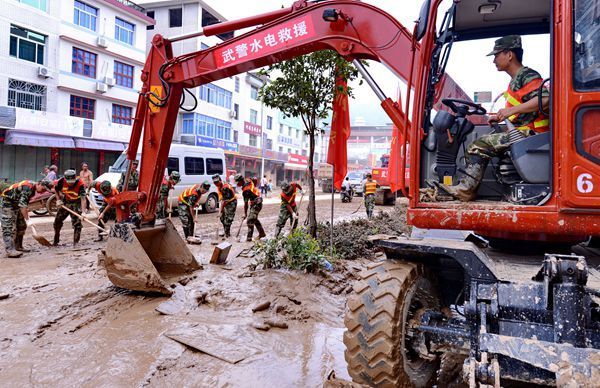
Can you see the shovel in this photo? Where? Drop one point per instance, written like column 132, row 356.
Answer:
column 240, row 228
column 41, row 239
column 82, row 218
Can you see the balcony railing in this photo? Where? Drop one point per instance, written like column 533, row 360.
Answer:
column 132, row 5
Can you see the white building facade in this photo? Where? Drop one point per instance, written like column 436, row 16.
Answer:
column 69, row 82
column 257, row 139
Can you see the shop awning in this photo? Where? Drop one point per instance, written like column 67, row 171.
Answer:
column 38, row 140
column 99, row 145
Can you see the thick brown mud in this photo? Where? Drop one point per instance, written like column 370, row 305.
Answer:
column 65, row 324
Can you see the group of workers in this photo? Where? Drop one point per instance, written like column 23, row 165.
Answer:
column 71, row 194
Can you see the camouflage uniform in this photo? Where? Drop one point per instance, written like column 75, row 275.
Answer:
column 188, row 200
column 163, row 197
column 252, row 199
column 229, row 205
column 134, row 180
column 288, row 197
column 13, row 199
column 111, row 214
column 72, row 200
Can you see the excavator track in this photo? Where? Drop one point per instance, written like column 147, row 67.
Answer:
column 376, row 323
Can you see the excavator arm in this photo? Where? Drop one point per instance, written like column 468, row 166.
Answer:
column 354, row 29
column 141, row 258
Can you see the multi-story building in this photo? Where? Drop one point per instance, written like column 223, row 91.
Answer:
column 68, row 82
column 229, row 114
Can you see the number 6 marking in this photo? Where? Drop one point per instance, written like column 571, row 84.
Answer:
column 584, row 183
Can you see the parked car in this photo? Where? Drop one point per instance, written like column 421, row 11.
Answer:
column 195, row 165
column 356, row 181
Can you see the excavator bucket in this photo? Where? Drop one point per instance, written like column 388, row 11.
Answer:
column 145, row 259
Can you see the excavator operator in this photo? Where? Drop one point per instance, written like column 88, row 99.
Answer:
column 521, row 109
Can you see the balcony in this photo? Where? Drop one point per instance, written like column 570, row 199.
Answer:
column 132, row 5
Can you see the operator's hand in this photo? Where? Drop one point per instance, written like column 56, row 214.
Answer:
column 502, row 115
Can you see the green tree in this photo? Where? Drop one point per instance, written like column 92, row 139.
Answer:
column 305, row 87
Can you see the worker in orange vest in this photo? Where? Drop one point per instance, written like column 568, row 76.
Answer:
column 70, row 191
column 522, row 110
column 369, row 189
column 288, row 208
column 187, row 202
column 107, row 211
column 252, row 201
column 14, row 211
column 228, row 204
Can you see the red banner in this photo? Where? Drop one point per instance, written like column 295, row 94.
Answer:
column 271, row 40
column 337, row 154
column 252, row 129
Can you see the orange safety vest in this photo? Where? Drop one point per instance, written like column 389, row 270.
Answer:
column 251, row 187
column 183, row 197
column 370, row 187
column 27, row 183
column 224, row 187
column 71, row 193
column 541, row 123
column 289, row 199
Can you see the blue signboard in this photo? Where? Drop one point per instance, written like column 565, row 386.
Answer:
column 216, row 143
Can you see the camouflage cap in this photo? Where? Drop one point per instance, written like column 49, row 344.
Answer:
column 238, row 178
column 175, row 176
column 506, row 43
column 105, row 187
column 206, row 185
column 47, row 184
column 216, row 178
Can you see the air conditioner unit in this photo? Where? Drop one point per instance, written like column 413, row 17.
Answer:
column 101, row 87
column 102, row 41
column 43, row 72
column 233, row 114
column 109, row 81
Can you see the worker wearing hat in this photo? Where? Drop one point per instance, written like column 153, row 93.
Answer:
column 14, row 213
column 187, row 202
column 107, row 211
column 288, row 208
column 228, row 203
column 70, row 192
column 252, row 201
column 134, row 178
column 522, row 110
column 369, row 190
column 168, row 183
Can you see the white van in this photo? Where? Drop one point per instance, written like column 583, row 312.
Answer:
column 195, row 165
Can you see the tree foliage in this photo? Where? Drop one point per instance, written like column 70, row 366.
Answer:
column 304, row 87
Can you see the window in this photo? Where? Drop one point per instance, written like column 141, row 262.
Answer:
column 214, row 166
column 254, row 92
column 83, row 63
column 290, row 131
column 123, row 74
column 195, row 123
column 82, row 107
column 215, row 95
column 316, row 157
column 150, row 14
column 85, row 15
column 193, row 166
column 175, row 17
column 281, row 128
column 280, row 149
column 39, row 4
column 253, row 116
column 121, row 114
column 297, row 133
column 586, row 46
column 27, row 45
column 303, row 152
column 289, row 150
column 236, row 109
column 253, row 141
column 124, row 31
column 172, row 165
column 237, row 84
column 235, row 136
column 269, row 144
column 269, row 122
column 26, row 95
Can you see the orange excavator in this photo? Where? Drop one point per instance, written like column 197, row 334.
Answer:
column 530, row 315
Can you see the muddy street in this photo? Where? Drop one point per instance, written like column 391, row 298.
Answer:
column 65, row 324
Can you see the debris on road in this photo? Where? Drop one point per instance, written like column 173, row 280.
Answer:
column 225, row 342
column 261, row 326
column 4, row 296
column 220, row 253
column 276, row 323
column 175, row 304
column 261, row 306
